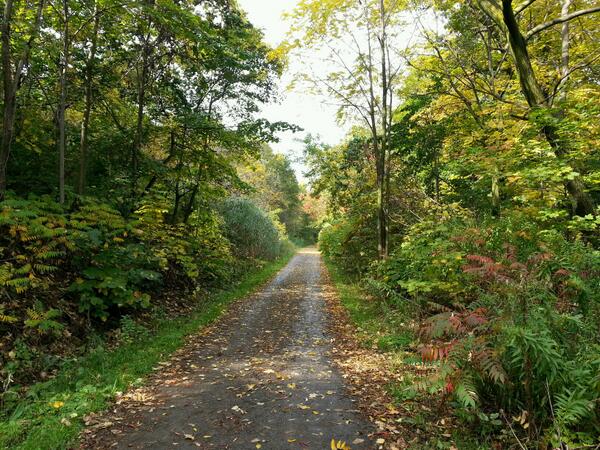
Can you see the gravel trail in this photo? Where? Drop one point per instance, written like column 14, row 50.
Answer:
column 261, row 377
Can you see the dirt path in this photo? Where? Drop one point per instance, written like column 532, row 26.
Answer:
column 260, row 378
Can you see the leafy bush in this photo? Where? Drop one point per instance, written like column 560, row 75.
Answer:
column 88, row 262
column 253, row 233
column 349, row 243
column 510, row 313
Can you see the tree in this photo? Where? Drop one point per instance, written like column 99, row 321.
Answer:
column 504, row 41
column 360, row 44
column 13, row 70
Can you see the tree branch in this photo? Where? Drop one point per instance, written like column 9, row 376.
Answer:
column 563, row 19
column 522, row 6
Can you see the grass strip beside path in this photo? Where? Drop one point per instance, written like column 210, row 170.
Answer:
column 51, row 416
column 376, row 322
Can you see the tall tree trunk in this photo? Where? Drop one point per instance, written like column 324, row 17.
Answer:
column 63, row 104
column 189, row 207
column 564, row 54
column 495, row 194
column 139, row 129
column 436, row 168
column 9, row 100
column 11, row 80
column 141, row 98
column 381, row 215
column 85, row 123
column 173, row 220
column 385, row 181
column 582, row 202
column 378, row 152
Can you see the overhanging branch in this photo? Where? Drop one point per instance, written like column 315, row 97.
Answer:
column 559, row 20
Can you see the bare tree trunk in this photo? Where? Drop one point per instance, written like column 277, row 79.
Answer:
column 11, row 82
column 436, row 168
column 495, row 195
column 564, row 55
column 173, row 220
column 385, row 182
column 85, row 123
column 8, row 113
column 63, row 105
column 379, row 155
column 189, row 208
column 139, row 129
column 141, row 101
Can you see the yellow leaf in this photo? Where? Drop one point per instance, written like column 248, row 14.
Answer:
column 57, row 404
column 340, row 445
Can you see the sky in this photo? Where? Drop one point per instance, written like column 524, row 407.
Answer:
column 302, row 109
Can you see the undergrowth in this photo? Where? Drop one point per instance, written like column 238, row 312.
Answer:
column 52, row 413
column 505, row 316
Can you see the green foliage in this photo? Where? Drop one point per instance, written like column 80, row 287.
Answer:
column 508, row 309
column 131, row 331
column 275, row 188
column 90, row 263
column 491, row 208
column 253, row 233
column 42, row 320
column 348, row 243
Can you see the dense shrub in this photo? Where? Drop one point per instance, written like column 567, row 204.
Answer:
column 350, row 243
column 510, row 312
column 253, row 232
column 63, row 269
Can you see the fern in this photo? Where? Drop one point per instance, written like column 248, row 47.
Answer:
column 19, row 284
column 573, row 407
column 44, row 268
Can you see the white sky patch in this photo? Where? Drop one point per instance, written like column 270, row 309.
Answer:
column 300, row 108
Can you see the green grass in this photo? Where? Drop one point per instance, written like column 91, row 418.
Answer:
column 377, row 323
column 89, row 383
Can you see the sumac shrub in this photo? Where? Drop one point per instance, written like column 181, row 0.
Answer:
column 510, row 313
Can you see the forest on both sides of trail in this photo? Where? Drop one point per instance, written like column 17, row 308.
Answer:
column 462, row 223
column 137, row 186
column 461, row 212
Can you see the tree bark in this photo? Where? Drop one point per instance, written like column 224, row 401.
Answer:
column 11, row 80
column 8, row 113
column 85, row 123
column 173, row 220
column 582, row 202
column 189, row 207
column 379, row 155
column 141, row 101
column 495, row 195
column 139, row 129
column 385, row 182
column 64, row 64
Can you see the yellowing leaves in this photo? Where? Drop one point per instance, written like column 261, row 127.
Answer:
column 57, row 404
column 339, row 445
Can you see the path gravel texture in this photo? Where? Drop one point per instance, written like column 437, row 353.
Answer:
column 261, row 377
